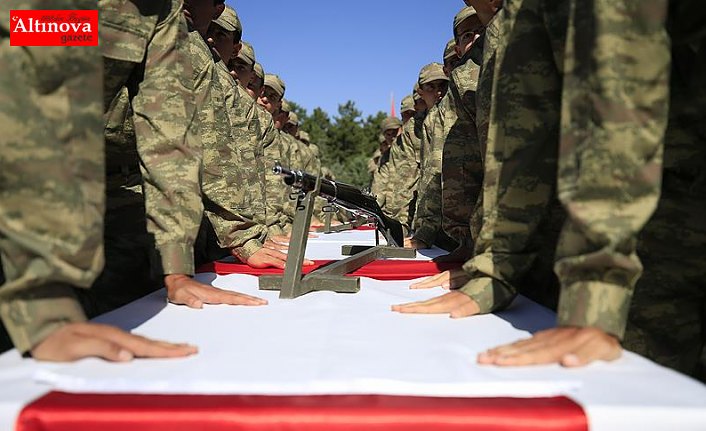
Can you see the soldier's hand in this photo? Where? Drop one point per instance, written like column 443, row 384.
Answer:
column 268, row 258
column 455, row 304
column 184, row 290
column 415, row 244
column 75, row 341
column 568, row 346
column 448, row 280
column 276, row 245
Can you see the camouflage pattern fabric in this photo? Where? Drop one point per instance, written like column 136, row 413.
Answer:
column 521, row 151
column 405, row 160
column 228, row 148
column 667, row 318
column 462, row 165
column 144, row 45
column 275, row 218
column 427, row 219
column 51, row 180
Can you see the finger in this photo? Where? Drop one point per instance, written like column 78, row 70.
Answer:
column 185, row 297
column 467, row 309
column 141, row 346
column 596, row 349
column 85, row 347
column 308, row 262
column 234, row 298
column 440, row 305
column 433, row 281
column 270, row 261
column 539, row 353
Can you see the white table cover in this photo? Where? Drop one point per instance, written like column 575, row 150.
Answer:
column 338, row 344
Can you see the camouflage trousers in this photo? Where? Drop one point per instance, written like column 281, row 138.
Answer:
column 51, row 185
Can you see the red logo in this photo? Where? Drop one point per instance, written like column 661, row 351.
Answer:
column 53, row 27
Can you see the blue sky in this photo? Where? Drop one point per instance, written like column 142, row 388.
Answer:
column 329, row 51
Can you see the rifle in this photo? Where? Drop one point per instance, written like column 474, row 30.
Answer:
column 348, row 197
column 293, row 283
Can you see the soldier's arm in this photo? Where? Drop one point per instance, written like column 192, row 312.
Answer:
column 615, row 101
column 169, row 150
column 610, row 159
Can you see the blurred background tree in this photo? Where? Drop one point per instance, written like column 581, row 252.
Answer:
column 347, row 141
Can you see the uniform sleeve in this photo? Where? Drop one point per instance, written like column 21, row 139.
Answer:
column 615, row 104
column 169, row 149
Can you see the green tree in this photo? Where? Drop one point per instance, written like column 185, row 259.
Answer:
column 347, row 141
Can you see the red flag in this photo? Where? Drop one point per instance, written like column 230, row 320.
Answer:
column 392, row 105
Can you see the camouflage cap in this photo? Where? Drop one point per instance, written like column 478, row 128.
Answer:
column 259, row 71
column 450, row 50
column 463, row 15
column 415, row 92
column 275, row 83
column 304, row 137
column 391, row 123
column 432, row 72
column 229, row 20
column 286, row 106
column 407, row 104
column 293, row 118
column 247, row 53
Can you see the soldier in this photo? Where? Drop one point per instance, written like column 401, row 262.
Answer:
column 390, row 129
column 433, row 86
column 596, row 259
column 462, row 167
column 451, row 57
column 242, row 64
column 279, row 210
column 51, row 227
column 234, row 177
column 257, row 82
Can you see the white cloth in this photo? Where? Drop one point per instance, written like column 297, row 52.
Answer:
column 338, row 343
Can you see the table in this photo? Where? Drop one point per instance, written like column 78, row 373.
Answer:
column 330, row 361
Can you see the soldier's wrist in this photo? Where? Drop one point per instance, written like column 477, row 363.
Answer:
column 490, row 295
column 595, row 304
column 29, row 317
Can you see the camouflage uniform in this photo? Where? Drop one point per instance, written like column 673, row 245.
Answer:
column 405, row 166
column 667, row 318
column 607, row 180
column 51, row 180
column 229, row 153
column 153, row 155
column 462, row 165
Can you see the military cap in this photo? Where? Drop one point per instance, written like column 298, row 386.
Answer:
column 432, row 72
column 286, row 107
column 247, row 54
column 391, row 123
column 407, row 104
column 229, row 20
column 293, row 118
column 464, row 14
column 259, row 71
column 304, row 137
column 415, row 92
column 450, row 50
column 275, row 83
